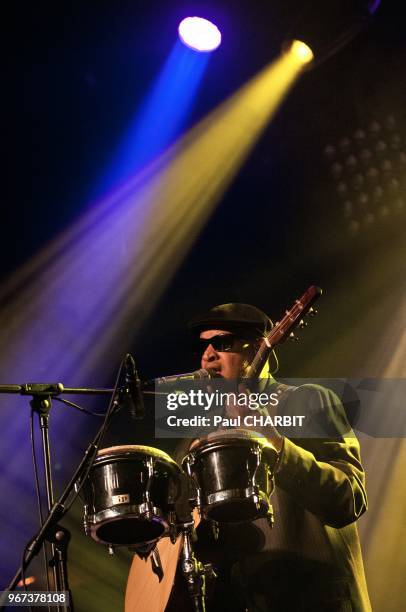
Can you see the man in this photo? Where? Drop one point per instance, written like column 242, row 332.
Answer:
column 311, row 559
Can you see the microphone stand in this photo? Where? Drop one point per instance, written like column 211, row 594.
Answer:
column 194, row 572
column 50, row 531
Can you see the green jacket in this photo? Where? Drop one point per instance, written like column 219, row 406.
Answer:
column 310, row 560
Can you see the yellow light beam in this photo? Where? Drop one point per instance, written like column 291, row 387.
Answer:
column 119, row 259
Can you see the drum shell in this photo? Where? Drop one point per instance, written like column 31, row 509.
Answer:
column 233, row 477
column 124, row 506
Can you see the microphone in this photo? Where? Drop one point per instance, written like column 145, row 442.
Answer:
column 130, row 394
column 176, row 378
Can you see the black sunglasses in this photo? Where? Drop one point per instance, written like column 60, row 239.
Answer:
column 223, row 343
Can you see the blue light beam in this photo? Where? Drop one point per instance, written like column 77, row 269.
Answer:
column 162, row 115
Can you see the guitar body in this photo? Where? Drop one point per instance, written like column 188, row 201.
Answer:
column 144, row 591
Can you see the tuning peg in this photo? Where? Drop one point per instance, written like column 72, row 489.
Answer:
column 312, row 312
column 293, row 337
column 302, row 324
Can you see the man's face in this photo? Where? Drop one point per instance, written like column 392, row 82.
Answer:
column 227, row 364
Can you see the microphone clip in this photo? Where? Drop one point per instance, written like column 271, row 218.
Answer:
column 130, row 393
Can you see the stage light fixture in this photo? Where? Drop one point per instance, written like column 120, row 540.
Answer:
column 326, row 27
column 199, row 34
column 301, row 51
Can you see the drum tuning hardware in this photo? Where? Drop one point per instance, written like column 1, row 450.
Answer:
column 110, row 548
column 188, row 462
column 312, row 312
column 172, row 532
column 85, row 521
column 302, row 323
column 199, row 501
column 150, row 466
column 148, row 515
column 209, row 571
column 156, row 564
column 293, row 337
column 215, row 530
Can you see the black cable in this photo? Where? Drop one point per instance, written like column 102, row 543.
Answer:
column 97, row 442
column 81, row 408
column 112, row 403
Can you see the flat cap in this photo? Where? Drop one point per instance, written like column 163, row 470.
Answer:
column 232, row 317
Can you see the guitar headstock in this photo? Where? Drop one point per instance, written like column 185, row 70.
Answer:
column 283, row 329
column 294, row 317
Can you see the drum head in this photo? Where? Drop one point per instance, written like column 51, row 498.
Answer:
column 234, row 437
column 134, row 450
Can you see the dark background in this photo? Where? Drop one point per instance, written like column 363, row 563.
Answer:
column 77, row 72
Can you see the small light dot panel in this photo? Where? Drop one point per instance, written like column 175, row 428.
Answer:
column 368, row 169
